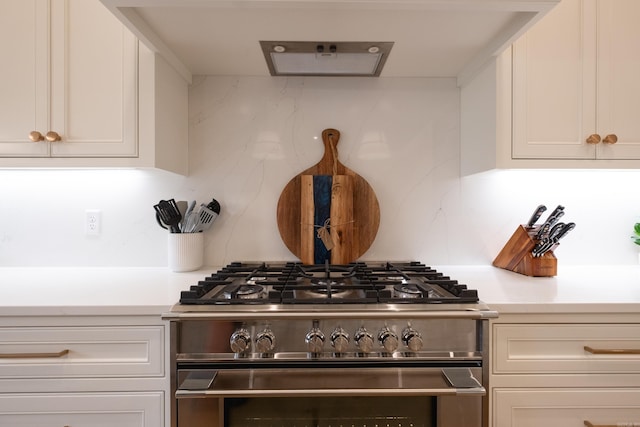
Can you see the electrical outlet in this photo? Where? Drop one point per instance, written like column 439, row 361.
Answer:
column 92, row 222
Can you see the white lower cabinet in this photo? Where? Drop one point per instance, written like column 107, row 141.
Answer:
column 83, row 409
column 530, row 407
column 569, row 370
column 83, row 371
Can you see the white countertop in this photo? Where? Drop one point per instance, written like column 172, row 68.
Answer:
column 152, row 291
column 92, row 291
column 576, row 289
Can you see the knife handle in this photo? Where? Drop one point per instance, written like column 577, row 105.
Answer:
column 536, row 215
column 543, row 231
column 567, row 228
column 556, row 230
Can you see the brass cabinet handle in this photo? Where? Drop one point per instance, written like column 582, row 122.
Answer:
column 52, row 136
column 594, row 138
column 35, row 136
column 611, row 351
column 33, row 355
column 589, row 424
column 610, row 139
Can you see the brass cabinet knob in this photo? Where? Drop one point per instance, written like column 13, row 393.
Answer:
column 610, row 139
column 593, row 139
column 52, row 136
column 35, row 136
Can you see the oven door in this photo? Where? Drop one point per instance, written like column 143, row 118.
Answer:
column 330, row 397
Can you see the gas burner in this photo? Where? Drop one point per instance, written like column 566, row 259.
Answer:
column 323, row 283
column 407, row 290
column 333, row 291
column 248, row 291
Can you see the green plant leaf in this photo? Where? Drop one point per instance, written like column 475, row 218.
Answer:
column 636, row 228
column 636, row 241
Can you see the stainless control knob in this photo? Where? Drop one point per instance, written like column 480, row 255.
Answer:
column 314, row 340
column 388, row 339
column 265, row 341
column 340, row 339
column 364, row 340
column 412, row 339
column 240, row 341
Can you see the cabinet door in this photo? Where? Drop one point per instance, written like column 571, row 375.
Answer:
column 82, row 409
column 80, row 352
column 24, row 76
column 618, row 82
column 561, row 348
column 554, row 81
column 94, row 82
column 565, row 407
column 70, row 67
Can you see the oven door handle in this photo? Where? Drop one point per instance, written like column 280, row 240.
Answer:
column 329, row 382
column 192, row 394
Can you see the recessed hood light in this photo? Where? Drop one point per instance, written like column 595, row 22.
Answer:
column 325, row 58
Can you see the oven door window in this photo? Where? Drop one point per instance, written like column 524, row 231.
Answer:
column 335, row 411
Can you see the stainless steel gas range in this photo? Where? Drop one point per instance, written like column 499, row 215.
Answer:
column 366, row 344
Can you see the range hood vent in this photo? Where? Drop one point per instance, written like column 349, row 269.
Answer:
column 430, row 38
column 364, row 59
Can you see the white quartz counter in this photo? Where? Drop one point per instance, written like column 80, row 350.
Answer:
column 576, row 289
column 91, row 291
column 150, row 291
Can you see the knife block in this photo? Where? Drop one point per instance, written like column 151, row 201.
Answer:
column 516, row 256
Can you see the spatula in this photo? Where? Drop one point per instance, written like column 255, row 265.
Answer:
column 205, row 218
column 169, row 214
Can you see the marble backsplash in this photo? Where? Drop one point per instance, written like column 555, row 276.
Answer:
column 249, row 136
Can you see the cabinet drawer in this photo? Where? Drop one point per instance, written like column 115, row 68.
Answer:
column 66, row 409
column 82, row 352
column 560, row 348
column 565, row 407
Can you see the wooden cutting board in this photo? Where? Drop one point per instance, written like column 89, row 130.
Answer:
column 328, row 212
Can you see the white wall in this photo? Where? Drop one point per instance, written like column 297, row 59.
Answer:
column 249, row 136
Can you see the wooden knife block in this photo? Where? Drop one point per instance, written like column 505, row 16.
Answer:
column 516, row 256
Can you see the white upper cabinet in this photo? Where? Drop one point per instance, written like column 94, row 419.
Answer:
column 78, row 90
column 566, row 95
column 618, row 96
column 24, row 84
column 575, row 83
column 72, row 75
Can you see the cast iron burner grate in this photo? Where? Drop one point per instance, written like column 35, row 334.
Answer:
column 355, row 283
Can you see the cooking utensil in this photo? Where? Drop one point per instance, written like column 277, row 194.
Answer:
column 536, row 216
column 214, row 206
column 551, row 241
column 331, row 197
column 185, row 224
column 547, row 241
column 553, row 217
column 543, row 231
column 567, row 228
column 205, row 218
column 563, row 232
column 189, row 223
column 182, row 208
column 168, row 213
